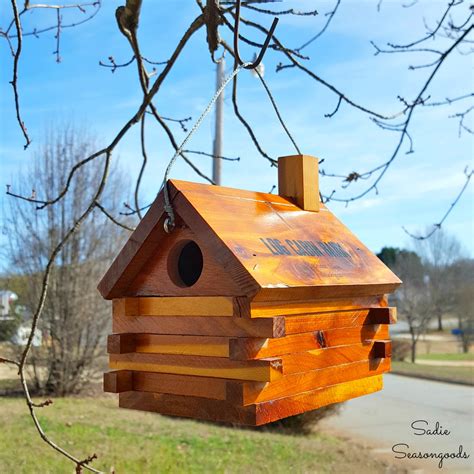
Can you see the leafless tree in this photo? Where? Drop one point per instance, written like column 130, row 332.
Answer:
column 413, row 297
column 451, row 34
column 463, row 307
column 75, row 318
column 439, row 255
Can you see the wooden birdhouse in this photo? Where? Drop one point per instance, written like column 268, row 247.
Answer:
column 254, row 308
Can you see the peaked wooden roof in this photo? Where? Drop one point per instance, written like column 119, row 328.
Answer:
column 268, row 245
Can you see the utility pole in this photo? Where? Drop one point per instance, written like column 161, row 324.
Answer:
column 219, row 126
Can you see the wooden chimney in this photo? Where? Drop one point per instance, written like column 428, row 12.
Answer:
column 298, row 180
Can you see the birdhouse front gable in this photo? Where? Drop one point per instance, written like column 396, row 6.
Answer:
column 243, row 243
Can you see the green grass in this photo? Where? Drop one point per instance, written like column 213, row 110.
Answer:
column 435, row 372
column 449, row 357
column 137, row 442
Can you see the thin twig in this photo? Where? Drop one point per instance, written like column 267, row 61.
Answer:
column 404, row 126
column 437, row 226
column 58, row 36
column 39, row 310
column 277, row 111
column 330, row 16
column 210, row 155
column 195, row 25
column 14, row 81
column 142, row 167
column 112, row 218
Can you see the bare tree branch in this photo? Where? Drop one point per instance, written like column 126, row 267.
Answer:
column 330, row 15
column 112, row 218
column 14, row 81
column 437, row 226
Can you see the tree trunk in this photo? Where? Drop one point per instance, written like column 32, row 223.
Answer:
column 413, row 351
column 440, row 322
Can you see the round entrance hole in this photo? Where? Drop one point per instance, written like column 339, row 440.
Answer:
column 185, row 263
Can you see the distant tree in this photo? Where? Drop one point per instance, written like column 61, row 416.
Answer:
column 463, row 307
column 439, row 254
column 75, row 318
column 388, row 255
column 413, row 298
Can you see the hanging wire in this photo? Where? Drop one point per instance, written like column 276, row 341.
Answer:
column 170, row 219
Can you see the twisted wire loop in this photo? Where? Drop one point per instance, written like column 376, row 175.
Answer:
column 168, row 208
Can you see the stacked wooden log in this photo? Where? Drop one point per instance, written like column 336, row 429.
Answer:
column 234, row 360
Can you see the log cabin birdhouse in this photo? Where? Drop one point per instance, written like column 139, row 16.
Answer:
column 254, row 308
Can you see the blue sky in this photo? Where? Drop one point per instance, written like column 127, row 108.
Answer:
column 414, row 193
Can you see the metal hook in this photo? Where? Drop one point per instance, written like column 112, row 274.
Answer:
column 257, row 61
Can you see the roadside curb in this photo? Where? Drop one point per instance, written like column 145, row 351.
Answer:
column 432, row 378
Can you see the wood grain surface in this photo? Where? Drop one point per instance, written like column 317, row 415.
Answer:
column 259, row 327
column 118, row 381
column 257, row 245
column 283, row 271
column 200, row 326
column 248, row 393
column 265, row 309
column 159, row 275
column 261, row 370
column 298, row 180
column 328, row 357
column 382, row 349
column 258, row 414
column 163, row 344
column 176, row 306
column 337, row 319
column 141, row 244
column 259, row 348
column 189, row 385
column 128, row 380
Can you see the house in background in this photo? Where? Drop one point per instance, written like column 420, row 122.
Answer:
column 7, row 298
column 9, row 312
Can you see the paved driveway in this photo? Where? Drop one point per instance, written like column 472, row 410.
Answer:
column 383, row 419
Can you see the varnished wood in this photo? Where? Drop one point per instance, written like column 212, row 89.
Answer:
column 259, row 348
column 159, row 275
column 221, row 306
column 276, row 409
column 245, row 348
column 265, row 309
column 188, row 407
column 258, row 414
column 288, row 314
column 176, row 306
column 288, row 275
column 121, row 343
column 298, row 180
column 119, row 381
column 263, row 370
column 234, row 228
column 189, row 385
column 141, row 244
column 243, row 327
column 200, row 326
column 248, row 393
column 337, row 319
column 328, row 357
column 382, row 349
column 210, row 346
